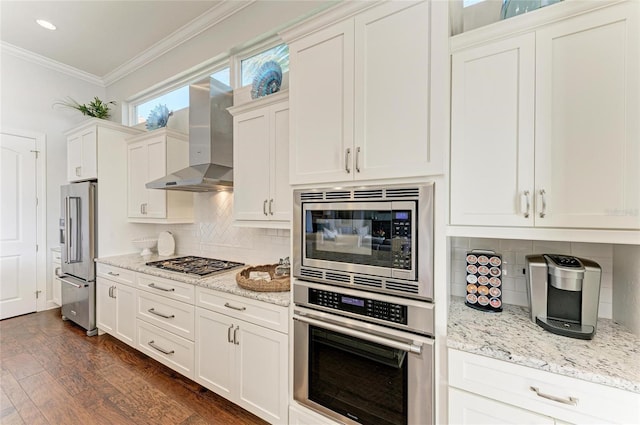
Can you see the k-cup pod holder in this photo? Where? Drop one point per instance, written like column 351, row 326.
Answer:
column 484, row 280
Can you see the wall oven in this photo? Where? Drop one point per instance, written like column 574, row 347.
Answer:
column 363, row 358
column 376, row 238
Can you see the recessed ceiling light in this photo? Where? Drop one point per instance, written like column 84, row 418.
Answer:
column 46, row 24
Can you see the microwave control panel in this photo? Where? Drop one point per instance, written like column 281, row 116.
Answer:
column 401, row 239
column 396, row 313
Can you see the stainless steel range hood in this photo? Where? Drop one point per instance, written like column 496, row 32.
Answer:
column 210, row 142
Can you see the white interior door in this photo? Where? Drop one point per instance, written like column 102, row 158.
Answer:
column 17, row 225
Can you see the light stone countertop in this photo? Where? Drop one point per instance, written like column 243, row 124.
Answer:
column 611, row 358
column 224, row 282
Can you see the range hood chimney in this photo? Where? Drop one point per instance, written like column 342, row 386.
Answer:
column 210, row 142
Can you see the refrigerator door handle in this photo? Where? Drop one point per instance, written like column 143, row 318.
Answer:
column 66, row 230
column 74, row 223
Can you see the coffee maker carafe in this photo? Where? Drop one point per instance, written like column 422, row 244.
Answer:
column 563, row 294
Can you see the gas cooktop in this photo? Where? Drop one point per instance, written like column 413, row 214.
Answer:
column 199, row 266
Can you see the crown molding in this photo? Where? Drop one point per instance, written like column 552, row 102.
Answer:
column 213, row 16
column 50, row 63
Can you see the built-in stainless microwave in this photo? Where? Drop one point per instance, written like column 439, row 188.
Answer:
column 373, row 238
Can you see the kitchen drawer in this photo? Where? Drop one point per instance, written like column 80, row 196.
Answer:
column 169, row 288
column 169, row 349
column 56, row 256
column 514, row 384
column 116, row 274
column 257, row 312
column 170, row 315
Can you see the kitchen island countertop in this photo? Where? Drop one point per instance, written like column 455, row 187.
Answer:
column 611, row 358
column 224, row 281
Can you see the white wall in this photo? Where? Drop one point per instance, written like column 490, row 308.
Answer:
column 28, row 93
column 626, row 297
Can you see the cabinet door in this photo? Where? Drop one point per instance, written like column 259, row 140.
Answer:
column 587, row 129
column 263, row 371
column 105, row 306
column 137, row 168
column 56, row 270
column 89, row 154
column 322, row 105
column 74, row 157
column 392, row 91
column 469, row 408
column 157, row 168
column 281, row 196
column 251, row 165
column 492, row 134
column 215, row 353
column 125, row 306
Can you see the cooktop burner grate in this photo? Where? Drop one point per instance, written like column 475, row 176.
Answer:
column 200, row 266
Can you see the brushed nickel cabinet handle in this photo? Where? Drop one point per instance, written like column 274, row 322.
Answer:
column 527, row 203
column 78, row 171
column 234, row 307
column 166, row 316
column 270, row 206
column 347, row 160
column 229, row 334
column 264, row 207
column 162, row 350
column 358, row 159
column 544, row 203
column 154, row 286
column 113, row 274
column 110, row 291
column 572, row 401
column 235, row 335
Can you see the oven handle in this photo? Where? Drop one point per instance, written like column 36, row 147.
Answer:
column 417, row 349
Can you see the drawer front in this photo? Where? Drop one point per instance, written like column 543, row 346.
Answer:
column 257, row 312
column 116, row 274
column 562, row 397
column 170, row 315
column 56, row 257
column 170, row 350
column 173, row 289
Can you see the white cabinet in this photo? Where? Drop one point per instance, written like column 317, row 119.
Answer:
column 150, row 156
column 544, row 126
column 486, row 390
column 82, row 159
column 360, row 101
column 251, row 360
column 56, row 270
column 262, row 195
column 116, row 303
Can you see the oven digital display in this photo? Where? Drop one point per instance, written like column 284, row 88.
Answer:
column 402, row 215
column 352, row 301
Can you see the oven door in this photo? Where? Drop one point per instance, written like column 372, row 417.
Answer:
column 356, row 372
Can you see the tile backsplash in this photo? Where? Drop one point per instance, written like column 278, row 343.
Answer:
column 513, row 252
column 214, row 235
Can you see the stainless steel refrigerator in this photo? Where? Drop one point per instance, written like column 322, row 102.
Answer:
column 78, row 248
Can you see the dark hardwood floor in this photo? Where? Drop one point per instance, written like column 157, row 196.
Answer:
column 52, row 373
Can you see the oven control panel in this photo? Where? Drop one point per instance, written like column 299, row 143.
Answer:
column 396, row 313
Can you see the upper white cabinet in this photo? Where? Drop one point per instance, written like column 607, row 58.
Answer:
column 82, row 159
column 360, row 97
column 262, row 195
column 150, row 156
column 544, row 125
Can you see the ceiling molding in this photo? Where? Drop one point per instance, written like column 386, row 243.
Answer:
column 50, row 63
column 207, row 20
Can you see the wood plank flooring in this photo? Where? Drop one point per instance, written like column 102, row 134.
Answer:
column 52, row 373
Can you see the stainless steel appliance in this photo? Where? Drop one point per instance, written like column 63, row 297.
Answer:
column 363, row 316
column 78, row 249
column 191, row 264
column 563, row 294
column 362, row 357
column 375, row 238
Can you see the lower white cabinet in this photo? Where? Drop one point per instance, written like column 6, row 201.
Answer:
column 243, row 362
column 486, row 390
column 116, row 304
column 167, row 348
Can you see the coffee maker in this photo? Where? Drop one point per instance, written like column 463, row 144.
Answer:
column 563, row 294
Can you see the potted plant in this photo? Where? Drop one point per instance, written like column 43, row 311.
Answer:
column 96, row 108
